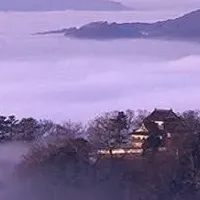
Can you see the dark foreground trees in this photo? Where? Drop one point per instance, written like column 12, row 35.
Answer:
column 64, row 168
column 62, row 164
column 30, row 129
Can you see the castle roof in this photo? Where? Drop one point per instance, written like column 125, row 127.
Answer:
column 162, row 115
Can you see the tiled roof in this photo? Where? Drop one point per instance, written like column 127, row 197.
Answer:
column 162, row 115
column 151, row 126
column 172, row 123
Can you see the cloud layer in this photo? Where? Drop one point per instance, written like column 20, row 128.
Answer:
column 54, row 77
column 162, row 4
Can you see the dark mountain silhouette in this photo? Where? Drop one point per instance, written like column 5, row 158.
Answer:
column 50, row 5
column 184, row 27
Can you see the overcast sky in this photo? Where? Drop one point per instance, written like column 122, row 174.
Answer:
column 136, row 4
column 163, row 4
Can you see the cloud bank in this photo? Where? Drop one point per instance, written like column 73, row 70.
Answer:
column 81, row 86
column 54, row 77
column 162, row 4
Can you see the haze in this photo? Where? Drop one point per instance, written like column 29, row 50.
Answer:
column 52, row 5
column 89, row 4
column 57, row 78
column 162, row 4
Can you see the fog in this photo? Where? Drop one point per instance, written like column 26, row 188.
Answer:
column 162, row 4
column 58, row 78
column 10, row 156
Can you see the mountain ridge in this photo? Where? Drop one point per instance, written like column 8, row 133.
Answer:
column 184, row 27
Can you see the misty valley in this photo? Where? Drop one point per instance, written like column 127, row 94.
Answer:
column 99, row 100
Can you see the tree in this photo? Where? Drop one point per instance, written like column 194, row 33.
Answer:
column 27, row 129
column 45, row 127
column 3, row 128
column 140, row 116
column 192, row 120
column 74, row 129
column 8, row 127
column 12, row 123
column 110, row 130
column 68, row 130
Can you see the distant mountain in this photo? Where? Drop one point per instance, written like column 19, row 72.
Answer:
column 185, row 27
column 51, row 5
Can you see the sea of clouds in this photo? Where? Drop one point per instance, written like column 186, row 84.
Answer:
column 58, row 78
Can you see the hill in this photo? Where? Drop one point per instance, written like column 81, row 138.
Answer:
column 186, row 27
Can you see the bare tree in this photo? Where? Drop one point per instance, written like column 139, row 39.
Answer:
column 27, row 129
column 111, row 130
column 192, row 120
column 8, row 127
column 75, row 129
column 66, row 130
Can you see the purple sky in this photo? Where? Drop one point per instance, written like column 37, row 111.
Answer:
column 136, row 4
column 163, row 4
